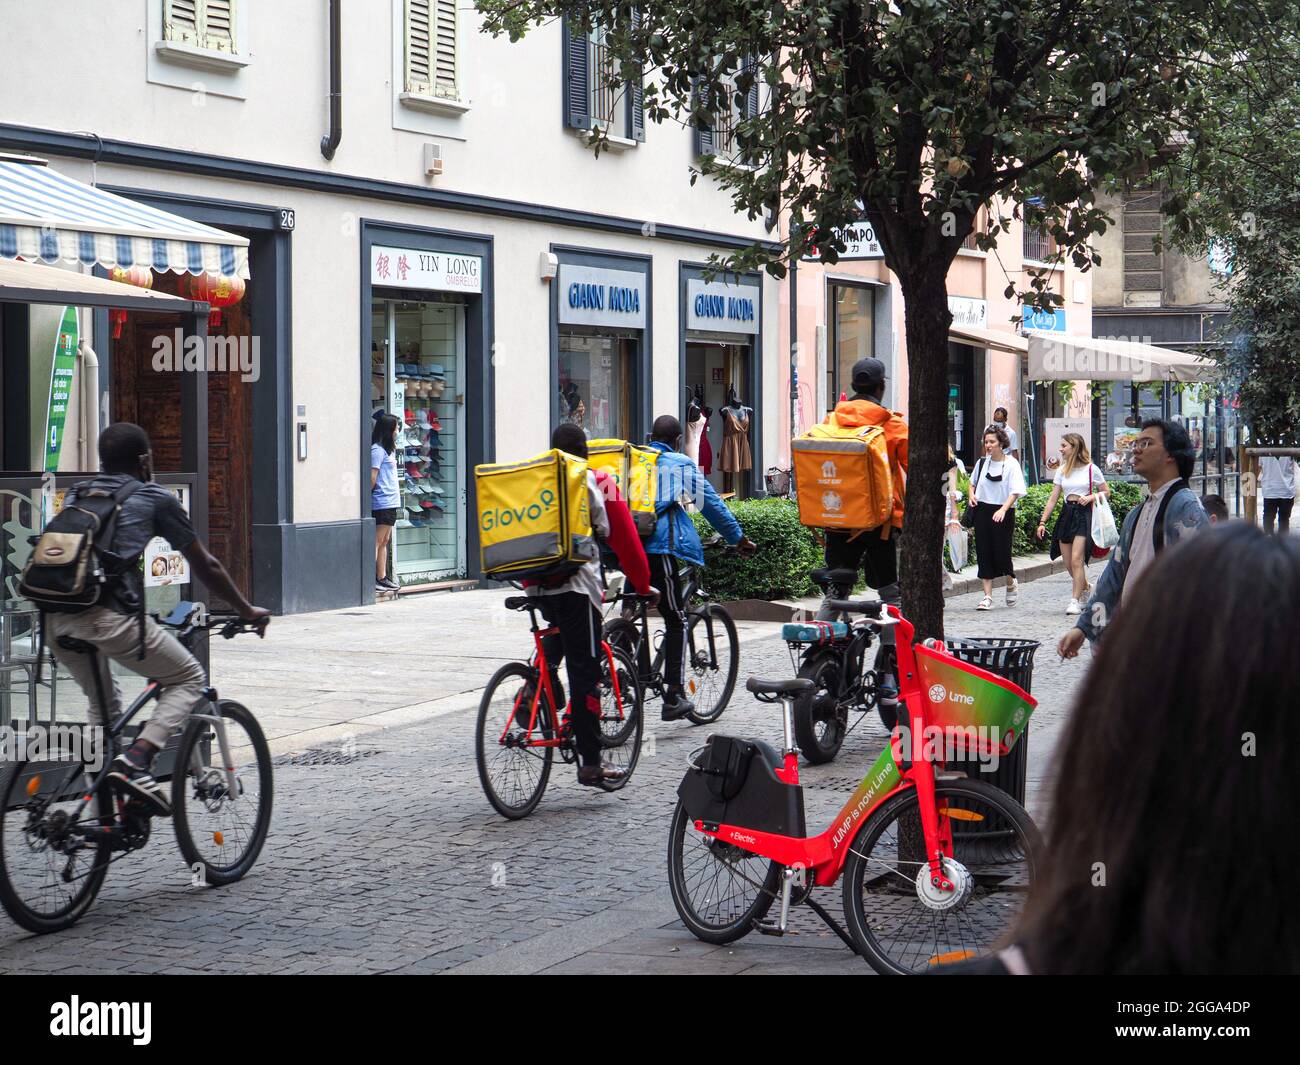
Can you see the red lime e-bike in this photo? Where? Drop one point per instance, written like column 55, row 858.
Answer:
column 936, row 867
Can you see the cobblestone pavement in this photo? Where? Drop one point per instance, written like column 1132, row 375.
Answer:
column 396, row 863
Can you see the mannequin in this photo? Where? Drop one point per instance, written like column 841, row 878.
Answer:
column 695, row 423
column 737, row 457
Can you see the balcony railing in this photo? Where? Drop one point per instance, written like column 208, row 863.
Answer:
column 1039, row 245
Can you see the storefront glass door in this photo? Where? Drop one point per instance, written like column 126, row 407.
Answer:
column 712, row 369
column 595, row 384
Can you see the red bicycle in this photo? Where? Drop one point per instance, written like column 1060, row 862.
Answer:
column 523, row 720
column 936, row 867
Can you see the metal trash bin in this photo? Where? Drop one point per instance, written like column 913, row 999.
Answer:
column 1012, row 659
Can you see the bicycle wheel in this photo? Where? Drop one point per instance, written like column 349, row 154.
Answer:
column 903, row 927
column 50, row 872
column 719, row 889
column 713, row 660
column 220, row 827
column 512, row 773
column 820, row 723
column 621, row 720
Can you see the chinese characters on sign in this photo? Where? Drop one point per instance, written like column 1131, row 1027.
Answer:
column 432, row 270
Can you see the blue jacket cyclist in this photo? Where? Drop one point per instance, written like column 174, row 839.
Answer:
column 675, row 540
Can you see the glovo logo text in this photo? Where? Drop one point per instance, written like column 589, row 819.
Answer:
column 504, row 517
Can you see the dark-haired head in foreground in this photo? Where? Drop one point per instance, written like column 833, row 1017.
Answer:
column 1216, row 507
column 666, row 430
column 123, row 448
column 1170, row 836
column 571, row 439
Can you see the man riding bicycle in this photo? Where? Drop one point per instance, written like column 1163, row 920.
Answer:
column 572, row 605
column 674, row 539
column 117, row 626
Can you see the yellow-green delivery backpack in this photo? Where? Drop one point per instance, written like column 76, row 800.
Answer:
column 635, row 471
column 534, row 517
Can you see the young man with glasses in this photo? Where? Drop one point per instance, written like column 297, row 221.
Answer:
column 1163, row 456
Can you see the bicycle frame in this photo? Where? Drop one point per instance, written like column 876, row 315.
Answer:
column 824, row 855
column 654, row 673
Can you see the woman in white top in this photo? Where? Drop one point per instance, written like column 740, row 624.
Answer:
column 1080, row 482
column 996, row 483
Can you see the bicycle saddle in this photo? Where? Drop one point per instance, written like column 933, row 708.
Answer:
column 872, row 608
column 793, row 686
column 824, row 577
column 520, row 602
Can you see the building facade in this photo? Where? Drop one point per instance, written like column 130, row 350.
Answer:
column 429, row 232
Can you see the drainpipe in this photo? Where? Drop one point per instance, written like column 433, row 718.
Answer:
column 330, row 143
column 88, row 456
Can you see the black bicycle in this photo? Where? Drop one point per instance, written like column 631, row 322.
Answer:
column 712, row 658
column 832, row 654
column 63, row 822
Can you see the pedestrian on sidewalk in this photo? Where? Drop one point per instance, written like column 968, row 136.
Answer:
column 954, row 533
column 1080, row 482
column 996, row 483
column 1163, row 456
column 1013, row 443
column 384, row 495
column 1165, row 811
column 1277, row 486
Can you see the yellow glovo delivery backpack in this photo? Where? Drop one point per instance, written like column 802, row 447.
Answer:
column 635, row 471
column 842, row 477
column 534, row 517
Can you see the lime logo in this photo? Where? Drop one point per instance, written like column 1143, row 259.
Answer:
column 1018, row 716
column 503, row 517
column 938, row 693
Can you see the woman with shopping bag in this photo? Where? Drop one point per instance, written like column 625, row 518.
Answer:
column 1087, row 508
column 955, row 533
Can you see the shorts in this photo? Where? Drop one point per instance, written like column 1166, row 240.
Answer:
column 387, row 516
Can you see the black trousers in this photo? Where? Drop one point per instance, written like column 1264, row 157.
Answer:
column 672, row 608
column 993, row 542
column 578, row 645
column 877, row 558
column 1282, row 509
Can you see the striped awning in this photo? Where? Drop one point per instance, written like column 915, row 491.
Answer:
column 48, row 217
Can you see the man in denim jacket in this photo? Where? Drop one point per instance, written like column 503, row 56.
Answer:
column 1163, row 455
column 679, row 480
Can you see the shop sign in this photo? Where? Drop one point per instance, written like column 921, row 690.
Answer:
column 859, row 240
column 968, row 312
column 1052, row 321
column 438, row 271
column 720, row 307
column 1054, row 430
column 589, row 296
column 62, row 368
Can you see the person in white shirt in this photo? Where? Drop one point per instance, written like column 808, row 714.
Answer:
column 1277, row 486
column 1013, row 442
column 996, row 483
column 1080, row 482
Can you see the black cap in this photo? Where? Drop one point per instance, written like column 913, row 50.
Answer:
column 868, row 375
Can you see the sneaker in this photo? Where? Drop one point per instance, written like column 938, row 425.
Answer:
column 592, row 776
column 1013, row 592
column 139, row 783
column 675, row 705
column 1073, row 608
column 986, row 603
column 388, row 582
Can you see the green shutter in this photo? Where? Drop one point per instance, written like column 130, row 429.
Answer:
column 444, row 54
column 218, row 24
column 181, row 21
column 419, row 34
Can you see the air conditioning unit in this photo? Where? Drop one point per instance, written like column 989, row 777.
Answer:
column 432, row 160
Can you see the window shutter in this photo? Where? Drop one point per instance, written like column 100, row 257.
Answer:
column 181, row 21
column 703, row 129
column 218, row 24
column 636, row 94
column 419, row 34
column 444, row 66
column 577, row 106
column 751, row 97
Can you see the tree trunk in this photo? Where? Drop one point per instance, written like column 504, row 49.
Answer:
column 926, row 316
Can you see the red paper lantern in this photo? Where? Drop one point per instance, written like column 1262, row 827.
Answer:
column 217, row 290
column 140, row 277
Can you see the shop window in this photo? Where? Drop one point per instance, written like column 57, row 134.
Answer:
column 595, row 95
column 595, row 384
column 431, row 52
column 206, row 24
column 852, row 335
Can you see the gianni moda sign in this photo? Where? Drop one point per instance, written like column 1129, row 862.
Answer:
column 589, row 296
column 720, row 307
column 438, row 271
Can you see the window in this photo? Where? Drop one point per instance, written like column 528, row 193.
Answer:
column 717, row 135
column 431, row 67
column 852, row 336
column 206, row 24
column 595, row 378
column 594, row 95
column 1038, row 244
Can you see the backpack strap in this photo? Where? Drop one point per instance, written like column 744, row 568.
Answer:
column 1158, row 529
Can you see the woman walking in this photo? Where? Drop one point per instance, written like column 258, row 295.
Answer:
column 954, row 534
column 384, row 496
column 1081, row 483
column 996, row 484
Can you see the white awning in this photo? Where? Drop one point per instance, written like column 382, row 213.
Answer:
column 1062, row 357
column 992, row 339
column 31, row 283
column 48, row 217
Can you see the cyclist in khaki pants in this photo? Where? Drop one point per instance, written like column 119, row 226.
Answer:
column 114, row 626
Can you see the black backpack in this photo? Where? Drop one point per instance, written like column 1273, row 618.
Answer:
column 72, row 563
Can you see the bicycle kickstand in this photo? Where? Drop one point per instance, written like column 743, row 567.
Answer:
column 779, row 926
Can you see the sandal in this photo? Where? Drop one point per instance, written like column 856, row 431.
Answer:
column 985, row 604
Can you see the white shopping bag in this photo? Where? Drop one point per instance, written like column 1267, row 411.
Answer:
column 958, row 548
column 1105, row 534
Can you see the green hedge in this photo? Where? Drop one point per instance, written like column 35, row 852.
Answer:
column 787, row 551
